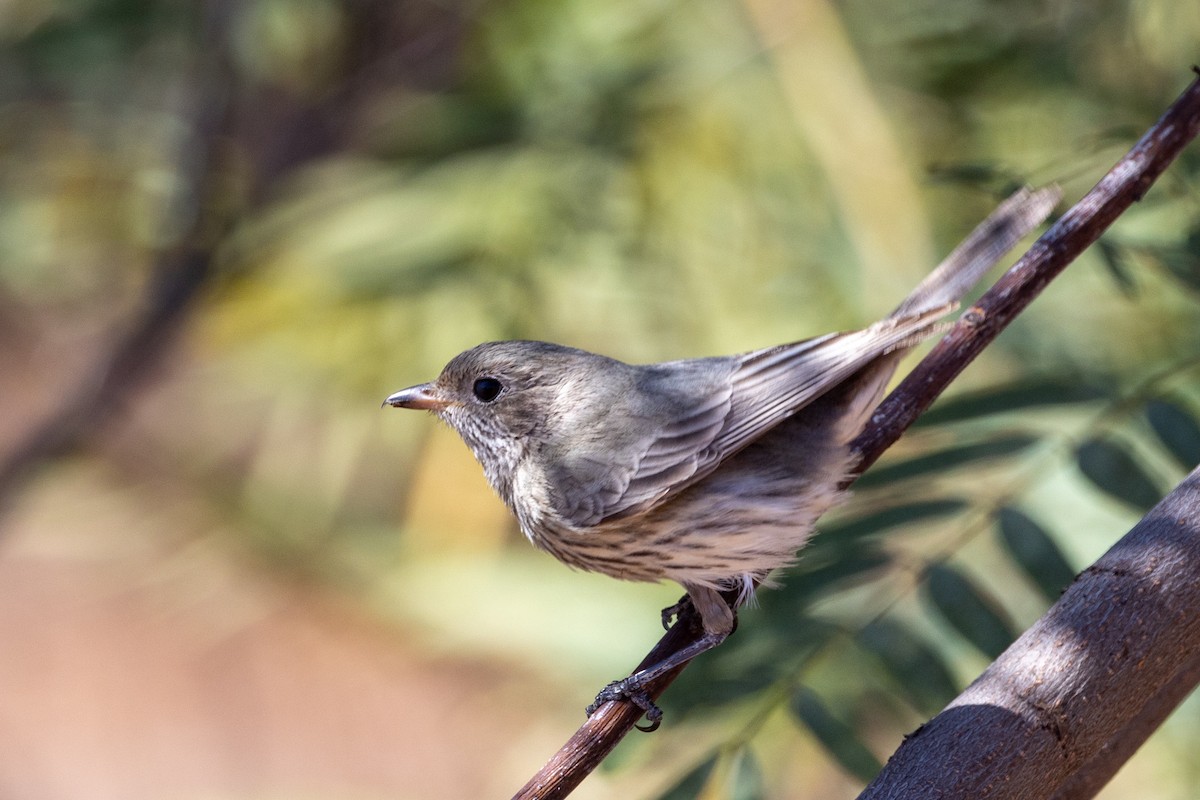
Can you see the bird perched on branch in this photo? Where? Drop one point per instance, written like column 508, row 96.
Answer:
column 710, row 472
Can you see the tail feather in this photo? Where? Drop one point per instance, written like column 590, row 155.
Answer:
column 979, row 252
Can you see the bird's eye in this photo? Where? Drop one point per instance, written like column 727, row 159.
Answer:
column 487, row 389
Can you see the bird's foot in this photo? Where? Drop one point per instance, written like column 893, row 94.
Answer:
column 637, row 687
column 630, row 689
column 671, row 613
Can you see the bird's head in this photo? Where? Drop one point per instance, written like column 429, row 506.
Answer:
column 510, row 399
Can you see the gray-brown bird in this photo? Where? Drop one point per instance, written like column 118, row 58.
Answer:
column 710, row 472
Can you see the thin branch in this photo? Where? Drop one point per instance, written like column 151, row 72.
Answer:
column 1082, row 225
column 1125, row 183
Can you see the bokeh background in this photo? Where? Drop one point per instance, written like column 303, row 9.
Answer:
column 229, row 229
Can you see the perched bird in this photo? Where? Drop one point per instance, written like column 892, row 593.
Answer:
column 710, row 472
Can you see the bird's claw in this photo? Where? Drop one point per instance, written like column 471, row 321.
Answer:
column 672, row 612
column 631, row 690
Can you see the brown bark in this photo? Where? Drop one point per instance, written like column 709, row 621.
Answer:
column 1068, row 702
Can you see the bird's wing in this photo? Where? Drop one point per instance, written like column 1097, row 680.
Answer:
column 720, row 417
column 757, row 391
column 773, row 384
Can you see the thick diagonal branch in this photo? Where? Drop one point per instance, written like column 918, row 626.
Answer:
column 1062, row 708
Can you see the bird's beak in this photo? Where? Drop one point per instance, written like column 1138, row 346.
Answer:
column 423, row 396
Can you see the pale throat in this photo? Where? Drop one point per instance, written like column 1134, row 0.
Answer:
column 500, row 455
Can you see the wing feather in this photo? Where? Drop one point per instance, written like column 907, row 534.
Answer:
column 713, row 413
column 716, row 407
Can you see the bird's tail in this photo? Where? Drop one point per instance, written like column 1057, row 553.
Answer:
column 979, row 252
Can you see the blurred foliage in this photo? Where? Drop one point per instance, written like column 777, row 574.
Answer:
column 652, row 180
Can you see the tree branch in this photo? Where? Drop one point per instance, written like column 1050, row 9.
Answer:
column 1076, row 230
column 1112, row 755
column 1125, row 183
column 1050, row 717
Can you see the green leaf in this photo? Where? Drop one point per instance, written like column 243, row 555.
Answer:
column 841, row 740
column 746, row 779
column 976, row 617
column 777, row 638
column 947, row 459
column 914, row 665
column 820, row 577
column 1182, row 262
column 1011, row 397
column 1034, row 552
column 1178, row 431
column 1117, row 262
column 772, row 640
column 690, row 785
column 784, row 609
column 726, row 676
column 970, row 173
column 1114, row 470
column 892, row 517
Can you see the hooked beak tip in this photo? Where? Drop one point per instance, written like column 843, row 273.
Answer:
column 420, row 397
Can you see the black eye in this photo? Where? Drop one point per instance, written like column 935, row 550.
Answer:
column 487, row 389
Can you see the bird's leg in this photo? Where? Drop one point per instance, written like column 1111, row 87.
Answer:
column 718, row 620
column 633, row 688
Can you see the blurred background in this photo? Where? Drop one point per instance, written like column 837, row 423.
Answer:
column 229, row 229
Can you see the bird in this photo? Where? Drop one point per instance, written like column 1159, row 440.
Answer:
column 710, row 472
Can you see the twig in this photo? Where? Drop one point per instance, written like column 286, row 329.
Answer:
column 1074, row 232
column 1125, row 183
